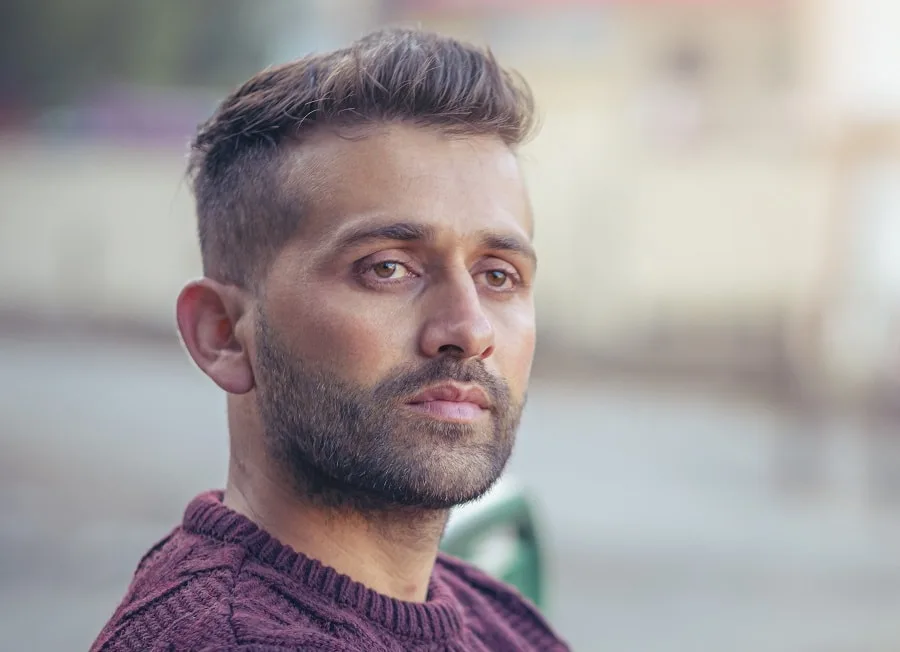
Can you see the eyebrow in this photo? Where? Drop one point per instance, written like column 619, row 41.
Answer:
column 412, row 231
column 501, row 242
column 402, row 231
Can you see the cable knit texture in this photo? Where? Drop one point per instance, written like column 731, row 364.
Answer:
column 219, row 582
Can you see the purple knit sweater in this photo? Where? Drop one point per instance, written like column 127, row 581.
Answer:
column 219, row 582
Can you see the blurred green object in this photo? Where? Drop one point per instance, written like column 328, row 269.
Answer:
column 498, row 534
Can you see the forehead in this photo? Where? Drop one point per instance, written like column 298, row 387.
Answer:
column 454, row 184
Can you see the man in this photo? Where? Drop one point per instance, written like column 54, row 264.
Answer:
column 367, row 306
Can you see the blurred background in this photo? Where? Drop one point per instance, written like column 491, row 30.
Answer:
column 712, row 434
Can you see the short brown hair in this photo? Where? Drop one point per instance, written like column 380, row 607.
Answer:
column 394, row 75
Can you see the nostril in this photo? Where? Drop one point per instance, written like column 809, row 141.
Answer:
column 451, row 349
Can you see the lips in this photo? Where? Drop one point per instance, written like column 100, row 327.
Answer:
column 453, row 393
column 451, row 402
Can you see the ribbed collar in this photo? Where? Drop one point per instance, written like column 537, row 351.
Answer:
column 437, row 619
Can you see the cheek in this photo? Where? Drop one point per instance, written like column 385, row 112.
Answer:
column 515, row 337
column 358, row 341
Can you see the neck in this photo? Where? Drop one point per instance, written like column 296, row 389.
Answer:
column 391, row 551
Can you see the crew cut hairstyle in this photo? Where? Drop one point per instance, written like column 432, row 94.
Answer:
column 244, row 212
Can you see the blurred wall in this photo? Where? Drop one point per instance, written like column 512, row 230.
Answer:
column 97, row 230
column 690, row 181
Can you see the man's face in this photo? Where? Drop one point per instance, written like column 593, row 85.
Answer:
column 395, row 336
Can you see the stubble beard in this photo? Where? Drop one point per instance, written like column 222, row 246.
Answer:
column 347, row 447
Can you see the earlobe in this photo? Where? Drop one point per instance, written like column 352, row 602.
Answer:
column 210, row 316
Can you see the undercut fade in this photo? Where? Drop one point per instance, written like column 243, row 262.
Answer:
column 245, row 213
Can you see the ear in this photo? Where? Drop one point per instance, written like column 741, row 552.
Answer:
column 211, row 319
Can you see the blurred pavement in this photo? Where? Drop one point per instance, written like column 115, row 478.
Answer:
column 668, row 527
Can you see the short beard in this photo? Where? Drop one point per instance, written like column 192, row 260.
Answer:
column 348, row 447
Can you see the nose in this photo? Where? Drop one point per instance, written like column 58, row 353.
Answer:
column 456, row 323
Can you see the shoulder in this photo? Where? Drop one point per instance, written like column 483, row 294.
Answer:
column 461, row 573
column 180, row 625
column 165, row 626
column 486, row 597
column 193, row 594
column 183, row 585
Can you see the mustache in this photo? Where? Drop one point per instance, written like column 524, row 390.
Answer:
column 445, row 369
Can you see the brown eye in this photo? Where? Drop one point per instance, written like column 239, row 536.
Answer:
column 386, row 269
column 496, row 278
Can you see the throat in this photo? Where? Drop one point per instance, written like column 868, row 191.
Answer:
column 390, row 551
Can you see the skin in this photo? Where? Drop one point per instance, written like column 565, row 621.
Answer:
column 449, row 290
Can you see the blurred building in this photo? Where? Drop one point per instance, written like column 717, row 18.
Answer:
column 715, row 183
column 681, row 200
